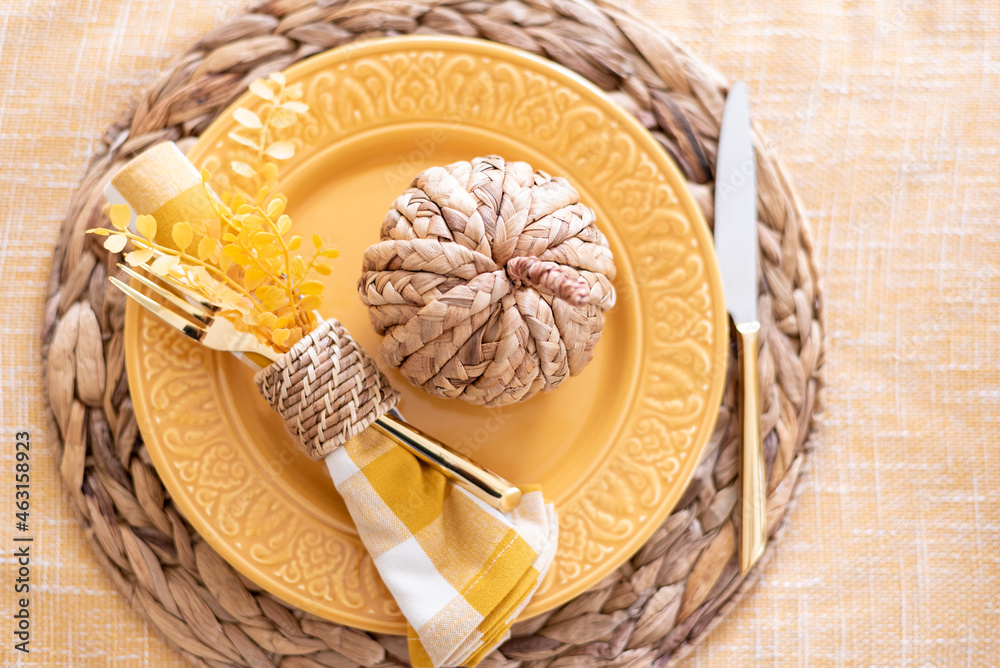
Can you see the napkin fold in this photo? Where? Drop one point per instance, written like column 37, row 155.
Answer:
column 460, row 570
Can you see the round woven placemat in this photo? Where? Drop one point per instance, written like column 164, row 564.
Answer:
column 650, row 611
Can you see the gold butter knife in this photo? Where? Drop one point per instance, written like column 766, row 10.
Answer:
column 736, row 248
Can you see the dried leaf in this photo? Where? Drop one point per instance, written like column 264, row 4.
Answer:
column 253, row 279
column 251, row 223
column 298, row 267
column 115, row 243
column 278, row 78
column 213, row 228
column 237, row 254
column 120, row 216
column 162, row 265
column 268, row 251
column 274, row 299
column 310, row 303
column 276, row 207
column 269, row 172
column 182, row 235
column 201, row 278
column 229, row 298
column 207, row 247
column 146, row 225
column 284, row 224
column 311, row 287
column 141, row 256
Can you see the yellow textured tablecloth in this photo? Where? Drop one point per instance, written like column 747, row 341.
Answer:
column 887, row 116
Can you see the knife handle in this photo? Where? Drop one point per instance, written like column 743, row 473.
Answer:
column 753, row 535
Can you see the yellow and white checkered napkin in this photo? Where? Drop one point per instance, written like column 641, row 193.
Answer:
column 459, row 570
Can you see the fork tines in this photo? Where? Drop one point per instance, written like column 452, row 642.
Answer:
column 173, row 305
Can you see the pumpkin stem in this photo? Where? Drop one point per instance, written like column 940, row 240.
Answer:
column 549, row 277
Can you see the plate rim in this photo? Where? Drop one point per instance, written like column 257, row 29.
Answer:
column 292, row 595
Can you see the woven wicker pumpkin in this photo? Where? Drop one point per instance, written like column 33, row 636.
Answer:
column 490, row 282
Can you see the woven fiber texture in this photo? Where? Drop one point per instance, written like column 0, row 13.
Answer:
column 326, row 388
column 492, row 229
column 651, row 610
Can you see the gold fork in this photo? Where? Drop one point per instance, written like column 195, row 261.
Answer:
column 197, row 318
column 198, row 322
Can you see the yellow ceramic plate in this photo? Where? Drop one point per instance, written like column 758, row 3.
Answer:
column 613, row 447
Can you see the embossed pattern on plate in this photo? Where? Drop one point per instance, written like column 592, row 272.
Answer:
column 613, row 448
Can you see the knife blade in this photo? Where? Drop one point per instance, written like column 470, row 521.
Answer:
column 736, row 207
column 736, row 249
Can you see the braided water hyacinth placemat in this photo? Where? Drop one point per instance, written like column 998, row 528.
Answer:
column 653, row 609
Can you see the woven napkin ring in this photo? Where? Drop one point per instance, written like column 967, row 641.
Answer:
column 326, row 388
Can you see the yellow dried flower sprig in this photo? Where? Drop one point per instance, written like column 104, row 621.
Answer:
column 240, row 259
